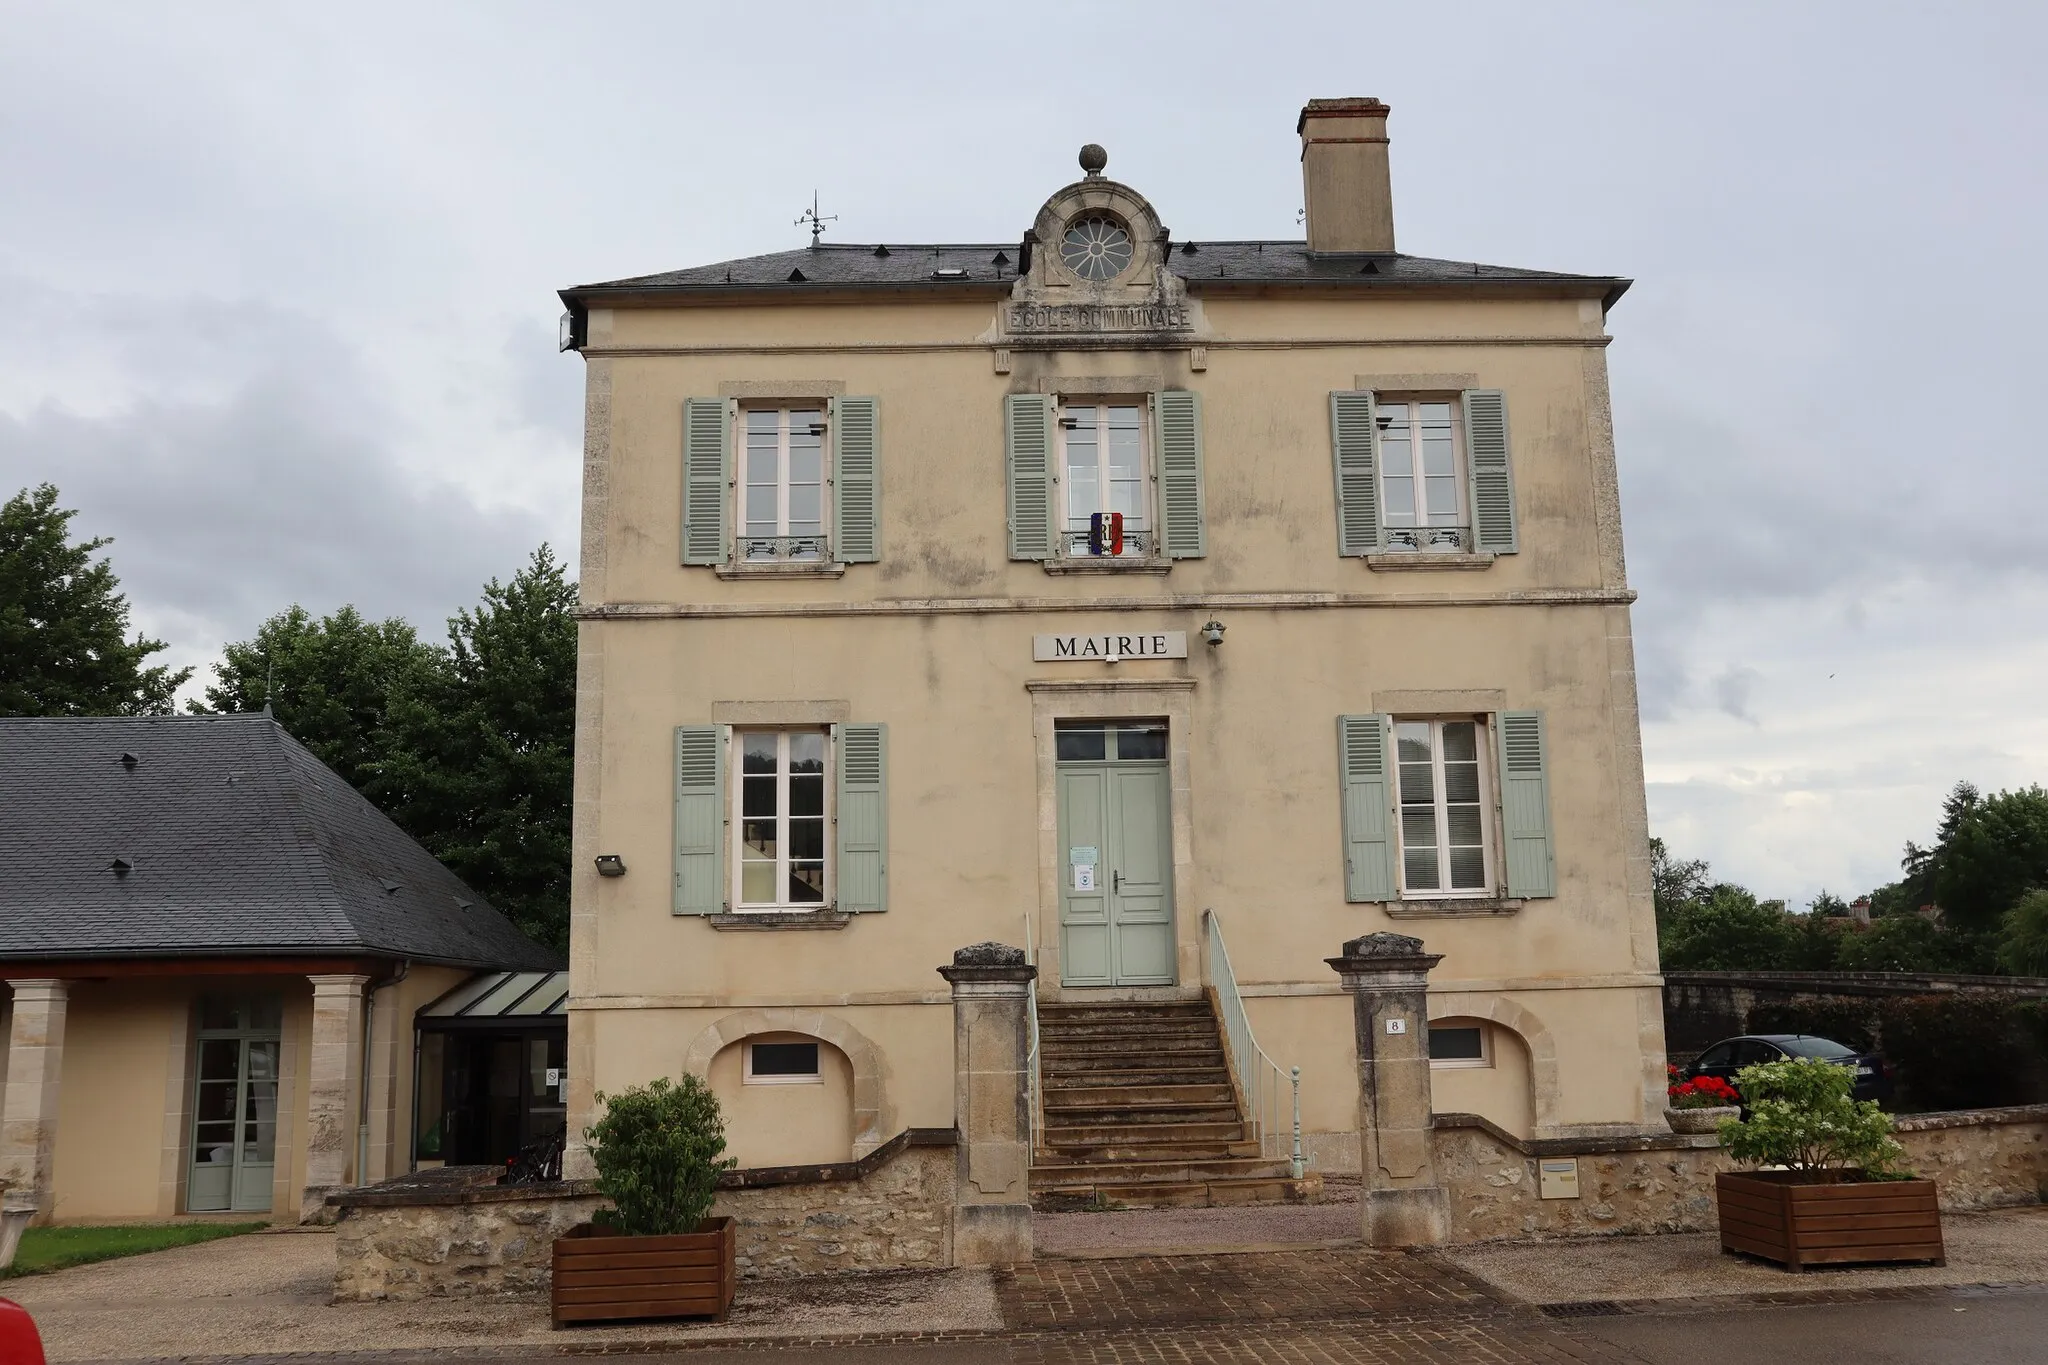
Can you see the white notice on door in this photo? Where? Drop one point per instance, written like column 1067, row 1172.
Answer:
column 1084, row 876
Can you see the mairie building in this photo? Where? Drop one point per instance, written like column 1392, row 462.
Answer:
column 1171, row 608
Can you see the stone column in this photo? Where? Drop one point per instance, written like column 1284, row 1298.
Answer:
column 1388, row 977
column 331, row 1081
column 28, row 1120
column 991, row 1104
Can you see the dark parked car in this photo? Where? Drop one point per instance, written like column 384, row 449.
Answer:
column 1725, row 1058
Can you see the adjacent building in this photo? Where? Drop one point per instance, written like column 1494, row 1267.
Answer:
column 215, row 949
column 1120, row 593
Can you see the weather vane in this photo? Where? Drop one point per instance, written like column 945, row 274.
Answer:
column 810, row 215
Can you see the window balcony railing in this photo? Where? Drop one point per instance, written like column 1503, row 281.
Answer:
column 1137, row 545
column 1437, row 539
column 775, row 549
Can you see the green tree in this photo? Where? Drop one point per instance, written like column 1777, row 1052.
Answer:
column 2023, row 936
column 1815, row 941
column 1826, row 903
column 329, row 681
column 64, row 646
column 1674, row 882
column 1993, row 852
column 1801, row 1118
column 1911, row 943
column 477, row 757
column 1728, row 930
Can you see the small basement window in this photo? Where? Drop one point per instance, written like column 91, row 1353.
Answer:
column 782, row 1064
column 1459, row 1045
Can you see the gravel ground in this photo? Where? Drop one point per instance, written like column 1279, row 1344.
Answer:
column 1124, row 1231
column 2006, row 1247
column 268, row 1293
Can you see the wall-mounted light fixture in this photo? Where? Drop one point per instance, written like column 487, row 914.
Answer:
column 610, row 865
column 1212, row 631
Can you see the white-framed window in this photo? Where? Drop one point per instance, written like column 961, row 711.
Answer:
column 1445, row 826
column 782, row 1061
column 1458, row 1043
column 1105, row 479
column 780, row 820
column 783, row 482
column 1422, row 474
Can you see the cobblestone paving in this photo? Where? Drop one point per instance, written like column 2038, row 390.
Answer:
column 1183, row 1290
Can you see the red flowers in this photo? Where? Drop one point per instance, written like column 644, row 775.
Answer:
column 1701, row 1092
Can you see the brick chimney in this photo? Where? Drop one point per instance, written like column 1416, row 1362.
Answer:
column 1345, row 182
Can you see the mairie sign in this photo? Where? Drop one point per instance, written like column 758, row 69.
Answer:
column 1136, row 644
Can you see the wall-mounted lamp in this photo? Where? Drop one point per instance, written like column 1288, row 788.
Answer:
column 610, row 865
column 1212, row 631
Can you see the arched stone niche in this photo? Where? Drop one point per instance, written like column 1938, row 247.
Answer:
column 1533, row 1036
column 870, row 1122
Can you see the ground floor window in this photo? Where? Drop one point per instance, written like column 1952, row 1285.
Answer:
column 1444, row 825
column 779, row 827
column 1456, row 1043
column 782, row 1064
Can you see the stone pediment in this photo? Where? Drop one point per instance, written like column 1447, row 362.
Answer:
column 1096, row 273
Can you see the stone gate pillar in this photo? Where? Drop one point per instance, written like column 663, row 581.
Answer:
column 1388, row 978
column 28, row 1112
column 991, row 1103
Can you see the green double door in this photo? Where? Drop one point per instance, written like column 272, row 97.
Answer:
column 1116, row 850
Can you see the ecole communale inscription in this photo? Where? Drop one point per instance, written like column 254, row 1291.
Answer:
column 1099, row 317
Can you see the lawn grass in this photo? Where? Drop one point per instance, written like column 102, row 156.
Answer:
column 55, row 1248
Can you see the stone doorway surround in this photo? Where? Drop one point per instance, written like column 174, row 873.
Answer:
column 1168, row 698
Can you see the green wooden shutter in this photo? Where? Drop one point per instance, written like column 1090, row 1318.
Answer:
column 1177, row 417
column 857, row 475
column 863, row 816
column 707, row 472
column 1354, row 437
column 700, row 819
column 1368, row 836
column 1486, row 467
column 1028, row 457
column 1525, row 805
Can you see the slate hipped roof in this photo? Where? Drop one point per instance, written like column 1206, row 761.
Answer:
column 1205, row 266
column 238, row 842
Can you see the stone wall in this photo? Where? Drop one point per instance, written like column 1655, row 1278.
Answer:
column 1979, row 1159
column 1701, row 1008
column 456, row 1233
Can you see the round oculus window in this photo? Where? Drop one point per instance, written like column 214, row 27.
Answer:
column 1096, row 247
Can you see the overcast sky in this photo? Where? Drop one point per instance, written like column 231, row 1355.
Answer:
column 280, row 311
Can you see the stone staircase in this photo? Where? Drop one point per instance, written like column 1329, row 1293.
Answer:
column 1139, row 1110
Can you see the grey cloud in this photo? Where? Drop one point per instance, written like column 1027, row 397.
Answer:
column 1732, row 692
column 286, row 490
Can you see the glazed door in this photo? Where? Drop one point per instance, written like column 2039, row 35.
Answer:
column 1116, row 897
column 234, row 1125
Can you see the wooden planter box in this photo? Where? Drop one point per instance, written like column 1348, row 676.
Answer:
column 1779, row 1216
column 601, row 1275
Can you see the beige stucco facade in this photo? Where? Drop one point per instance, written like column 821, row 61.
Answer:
column 122, row 1134
column 934, row 640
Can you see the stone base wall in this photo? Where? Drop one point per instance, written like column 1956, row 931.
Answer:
column 898, row 1218
column 1979, row 1159
column 452, row 1236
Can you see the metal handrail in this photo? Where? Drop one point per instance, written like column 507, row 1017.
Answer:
column 1259, row 1077
column 1037, row 1087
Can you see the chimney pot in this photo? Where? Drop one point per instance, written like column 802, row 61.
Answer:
column 1347, row 186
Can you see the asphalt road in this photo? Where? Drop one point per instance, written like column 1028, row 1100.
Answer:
column 1961, row 1327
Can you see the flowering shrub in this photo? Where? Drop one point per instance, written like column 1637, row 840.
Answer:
column 1701, row 1092
column 1801, row 1118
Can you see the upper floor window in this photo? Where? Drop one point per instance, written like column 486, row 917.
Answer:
column 1445, row 846
column 1103, row 467
column 779, row 827
column 782, row 484
column 1422, row 475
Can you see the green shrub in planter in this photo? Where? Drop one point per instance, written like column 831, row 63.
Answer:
column 659, row 1149
column 1801, row 1118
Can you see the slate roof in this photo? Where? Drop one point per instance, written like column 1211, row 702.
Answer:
column 241, row 843
column 1205, row 266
